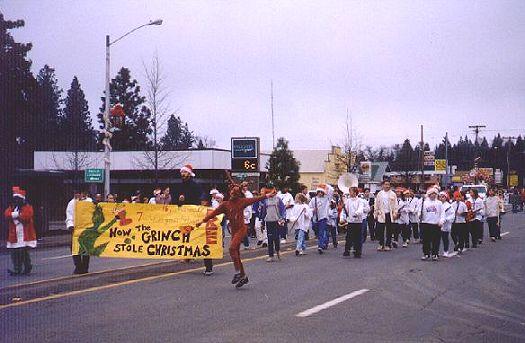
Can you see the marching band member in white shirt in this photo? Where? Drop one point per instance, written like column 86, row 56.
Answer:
column 352, row 214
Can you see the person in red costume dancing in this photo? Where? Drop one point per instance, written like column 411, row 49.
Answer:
column 234, row 211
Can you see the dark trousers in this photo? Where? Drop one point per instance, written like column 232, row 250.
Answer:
column 283, row 230
column 472, row 233
column 415, row 230
column 332, row 230
column 460, row 235
column 371, row 227
column 380, row 231
column 405, row 232
column 272, row 231
column 494, row 230
column 81, row 262
column 431, row 235
column 20, row 258
column 444, row 237
column 397, row 231
column 354, row 238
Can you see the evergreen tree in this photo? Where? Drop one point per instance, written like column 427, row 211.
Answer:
column 17, row 86
column 136, row 129
column 47, row 111
column 76, row 127
column 178, row 136
column 283, row 168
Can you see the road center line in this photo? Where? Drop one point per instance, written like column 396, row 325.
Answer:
column 505, row 233
column 331, row 303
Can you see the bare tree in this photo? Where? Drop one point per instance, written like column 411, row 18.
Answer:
column 351, row 146
column 73, row 160
column 204, row 142
column 157, row 96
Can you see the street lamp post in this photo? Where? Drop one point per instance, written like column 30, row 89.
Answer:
column 107, row 121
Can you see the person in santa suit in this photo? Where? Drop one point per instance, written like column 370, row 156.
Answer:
column 21, row 234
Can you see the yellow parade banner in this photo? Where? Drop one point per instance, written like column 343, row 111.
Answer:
column 145, row 231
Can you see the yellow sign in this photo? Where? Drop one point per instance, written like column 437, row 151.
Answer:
column 440, row 165
column 145, row 231
column 513, row 180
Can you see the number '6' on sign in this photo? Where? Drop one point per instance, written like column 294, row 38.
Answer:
column 249, row 166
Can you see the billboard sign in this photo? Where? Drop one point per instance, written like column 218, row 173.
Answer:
column 245, row 154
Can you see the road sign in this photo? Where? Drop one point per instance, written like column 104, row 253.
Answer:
column 440, row 165
column 94, row 175
column 245, row 154
column 428, row 160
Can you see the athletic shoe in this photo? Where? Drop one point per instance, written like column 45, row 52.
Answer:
column 297, row 252
column 405, row 245
column 407, row 241
column 380, row 248
column 480, row 241
column 320, row 251
column 435, row 258
column 499, row 237
column 446, row 254
column 283, row 241
column 387, row 248
column 243, row 281
column 394, row 244
column 270, row 259
column 425, row 257
column 208, row 273
column 346, row 253
column 265, row 245
column 493, row 239
column 335, row 246
column 246, row 247
column 236, row 278
column 456, row 248
column 301, row 253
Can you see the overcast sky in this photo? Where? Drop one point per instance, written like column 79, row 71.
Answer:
column 393, row 64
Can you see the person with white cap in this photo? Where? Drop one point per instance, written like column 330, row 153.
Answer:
column 432, row 218
column 447, row 224
column 189, row 192
column 21, row 232
column 320, row 206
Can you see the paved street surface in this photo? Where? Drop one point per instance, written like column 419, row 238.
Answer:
column 383, row 297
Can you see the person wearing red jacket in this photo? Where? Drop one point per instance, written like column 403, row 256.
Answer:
column 21, row 233
column 233, row 208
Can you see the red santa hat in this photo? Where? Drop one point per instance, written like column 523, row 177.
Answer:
column 188, row 168
column 18, row 192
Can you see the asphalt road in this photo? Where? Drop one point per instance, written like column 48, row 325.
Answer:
column 383, row 297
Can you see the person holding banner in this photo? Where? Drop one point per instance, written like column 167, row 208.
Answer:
column 190, row 192
column 233, row 208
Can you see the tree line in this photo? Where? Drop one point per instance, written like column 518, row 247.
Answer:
column 38, row 115
column 465, row 154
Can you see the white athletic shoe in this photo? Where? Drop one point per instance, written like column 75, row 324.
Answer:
column 283, row 241
column 446, row 254
column 270, row 259
column 405, row 245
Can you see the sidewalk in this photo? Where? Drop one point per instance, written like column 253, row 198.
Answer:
column 58, row 238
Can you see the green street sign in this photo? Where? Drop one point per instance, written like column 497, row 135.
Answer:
column 94, row 175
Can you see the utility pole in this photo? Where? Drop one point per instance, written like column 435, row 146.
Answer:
column 422, row 161
column 446, row 159
column 476, row 130
column 273, row 122
column 509, row 140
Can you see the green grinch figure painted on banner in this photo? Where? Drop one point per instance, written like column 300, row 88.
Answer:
column 89, row 236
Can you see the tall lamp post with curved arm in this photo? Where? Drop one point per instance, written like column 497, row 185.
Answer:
column 107, row 121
